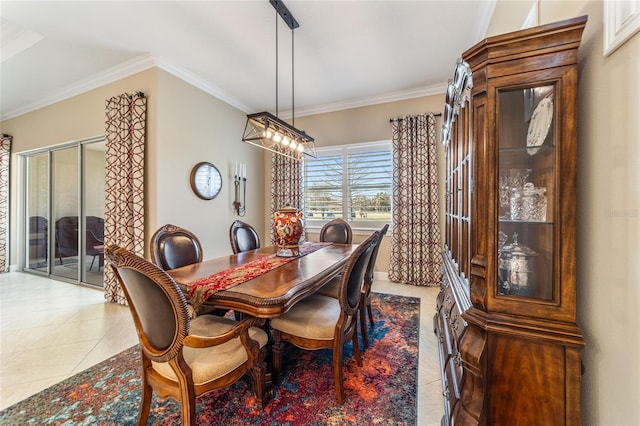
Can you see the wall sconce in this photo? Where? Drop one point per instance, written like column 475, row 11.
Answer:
column 240, row 176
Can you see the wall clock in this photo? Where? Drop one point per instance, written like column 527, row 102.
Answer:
column 206, row 180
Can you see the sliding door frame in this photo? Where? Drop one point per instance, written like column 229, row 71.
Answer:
column 23, row 242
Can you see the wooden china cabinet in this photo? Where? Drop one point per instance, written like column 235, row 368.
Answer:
column 506, row 313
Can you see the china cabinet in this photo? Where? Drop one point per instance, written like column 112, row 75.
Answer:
column 506, row 313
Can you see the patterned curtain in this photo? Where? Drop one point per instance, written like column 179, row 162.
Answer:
column 5, row 157
column 286, row 186
column 415, row 240
column 124, row 175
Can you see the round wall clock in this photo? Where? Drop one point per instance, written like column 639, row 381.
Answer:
column 206, row 180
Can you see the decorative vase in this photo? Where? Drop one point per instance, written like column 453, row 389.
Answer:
column 288, row 227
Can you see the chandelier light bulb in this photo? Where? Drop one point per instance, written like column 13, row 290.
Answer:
column 268, row 134
column 300, row 148
column 293, row 144
column 285, row 141
column 277, row 137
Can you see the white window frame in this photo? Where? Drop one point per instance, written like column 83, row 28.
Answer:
column 345, row 151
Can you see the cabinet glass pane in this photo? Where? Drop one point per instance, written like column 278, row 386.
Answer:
column 526, row 177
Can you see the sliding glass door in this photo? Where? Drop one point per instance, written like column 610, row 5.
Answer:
column 93, row 211
column 65, row 212
column 65, row 182
column 37, row 212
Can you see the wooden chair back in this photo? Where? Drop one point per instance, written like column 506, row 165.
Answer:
column 171, row 247
column 243, row 237
column 336, row 231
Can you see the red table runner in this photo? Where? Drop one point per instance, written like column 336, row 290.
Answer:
column 200, row 290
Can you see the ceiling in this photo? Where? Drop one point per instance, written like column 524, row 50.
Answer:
column 346, row 53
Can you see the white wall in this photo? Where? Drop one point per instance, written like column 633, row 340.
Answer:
column 193, row 127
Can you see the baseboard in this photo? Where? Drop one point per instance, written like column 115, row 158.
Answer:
column 383, row 276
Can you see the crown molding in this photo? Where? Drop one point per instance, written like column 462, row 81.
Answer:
column 115, row 73
column 202, row 84
column 435, row 89
column 143, row 62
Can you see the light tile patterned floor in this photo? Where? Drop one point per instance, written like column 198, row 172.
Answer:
column 64, row 329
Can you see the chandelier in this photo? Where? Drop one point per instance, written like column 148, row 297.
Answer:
column 266, row 130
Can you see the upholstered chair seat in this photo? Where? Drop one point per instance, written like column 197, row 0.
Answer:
column 314, row 317
column 216, row 361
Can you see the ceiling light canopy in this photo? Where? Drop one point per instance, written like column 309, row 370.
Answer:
column 266, row 130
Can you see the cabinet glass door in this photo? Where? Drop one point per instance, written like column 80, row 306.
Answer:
column 526, row 179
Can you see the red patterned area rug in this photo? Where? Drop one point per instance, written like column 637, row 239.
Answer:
column 383, row 392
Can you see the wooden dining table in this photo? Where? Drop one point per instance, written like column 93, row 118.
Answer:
column 274, row 292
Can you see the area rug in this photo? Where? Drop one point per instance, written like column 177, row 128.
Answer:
column 382, row 392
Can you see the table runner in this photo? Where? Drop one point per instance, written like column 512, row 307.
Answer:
column 200, row 290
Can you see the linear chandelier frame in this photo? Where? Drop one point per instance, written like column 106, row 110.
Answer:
column 261, row 128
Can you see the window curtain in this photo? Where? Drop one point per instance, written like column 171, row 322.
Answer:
column 415, row 240
column 124, row 175
column 5, row 157
column 286, row 185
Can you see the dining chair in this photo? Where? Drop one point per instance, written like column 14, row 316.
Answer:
column 319, row 321
column 365, row 300
column 171, row 247
column 95, row 248
column 38, row 240
column 184, row 358
column 336, row 231
column 243, row 237
column 332, row 289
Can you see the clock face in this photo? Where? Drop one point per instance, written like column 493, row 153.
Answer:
column 206, row 181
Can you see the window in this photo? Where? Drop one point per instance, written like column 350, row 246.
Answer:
column 352, row 182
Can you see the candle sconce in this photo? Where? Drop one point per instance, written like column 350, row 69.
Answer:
column 240, row 187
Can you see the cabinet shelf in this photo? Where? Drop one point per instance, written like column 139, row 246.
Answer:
column 526, row 222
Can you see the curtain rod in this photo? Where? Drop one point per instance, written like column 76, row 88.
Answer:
column 435, row 114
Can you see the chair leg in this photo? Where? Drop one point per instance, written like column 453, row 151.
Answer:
column 277, row 356
column 370, row 313
column 337, row 370
column 92, row 260
column 188, row 397
column 363, row 325
column 356, row 346
column 258, row 379
column 145, row 404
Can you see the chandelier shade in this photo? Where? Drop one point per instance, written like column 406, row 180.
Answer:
column 266, row 130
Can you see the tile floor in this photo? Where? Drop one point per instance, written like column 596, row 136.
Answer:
column 65, row 329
